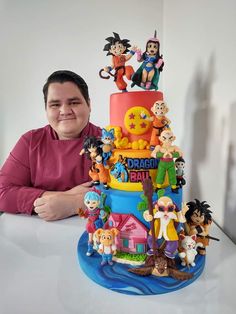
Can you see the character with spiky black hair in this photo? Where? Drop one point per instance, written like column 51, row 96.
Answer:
column 119, row 49
column 198, row 222
column 92, row 149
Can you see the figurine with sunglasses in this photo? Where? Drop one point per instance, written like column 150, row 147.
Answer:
column 165, row 215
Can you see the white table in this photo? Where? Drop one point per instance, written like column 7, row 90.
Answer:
column 39, row 273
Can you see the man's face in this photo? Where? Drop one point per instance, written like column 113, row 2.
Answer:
column 67, row 111
column 117, row 49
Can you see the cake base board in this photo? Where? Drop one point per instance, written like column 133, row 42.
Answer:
column 117, row 278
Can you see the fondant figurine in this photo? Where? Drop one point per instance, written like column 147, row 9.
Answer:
column 166, row 153
column 93, row 149
column 107, row 146
column 107, row 247
column 95, row 215
column 198, row 222
column 147, row 76
column 164, row 215
column 119, row 170
column 159, row 121
column 188, row 249
column 161, row 266
column 119, row 49
column 179, row 166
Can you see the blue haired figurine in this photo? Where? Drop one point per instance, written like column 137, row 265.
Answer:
column 107, row 139
column 94, row 213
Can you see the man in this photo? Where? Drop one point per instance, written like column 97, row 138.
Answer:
column 45, row 173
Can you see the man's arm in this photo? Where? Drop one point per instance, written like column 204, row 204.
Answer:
column 16, row 192
column 59, row 205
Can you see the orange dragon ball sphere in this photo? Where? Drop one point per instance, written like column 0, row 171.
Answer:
column 134, row 122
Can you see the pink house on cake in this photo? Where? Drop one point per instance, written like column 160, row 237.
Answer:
column 132, row 237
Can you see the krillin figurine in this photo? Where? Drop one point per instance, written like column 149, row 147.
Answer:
column 147, row 76
column 166, row 153
column 119, row 49
column 159, row 121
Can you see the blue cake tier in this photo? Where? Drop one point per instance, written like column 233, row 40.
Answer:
column 119, row 279
column 123, row 202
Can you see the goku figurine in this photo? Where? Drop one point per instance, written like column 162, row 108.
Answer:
column 119, row 50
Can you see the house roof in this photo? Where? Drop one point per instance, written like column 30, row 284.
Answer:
column 122, row 219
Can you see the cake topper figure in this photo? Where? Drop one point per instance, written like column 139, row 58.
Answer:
column 119, row 170
column 188, row 249
column 166, row 153
column 119, row 50
column 162, row 266
column 198, row 222
column 159, row 121
column 107, row 246
column 164, row 215
column 94, row 214
column 108, row 145
column 179, row 166
column 147, row 76
column 93, row 149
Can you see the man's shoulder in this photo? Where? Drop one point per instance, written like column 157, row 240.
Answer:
column 94, row 130
column 36, row 135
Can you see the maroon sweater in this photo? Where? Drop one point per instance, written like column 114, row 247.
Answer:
column 40, row 162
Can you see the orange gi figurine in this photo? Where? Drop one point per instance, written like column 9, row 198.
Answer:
column 159, row 121
column 118, row 48
column 198, row 222
column 98, row 172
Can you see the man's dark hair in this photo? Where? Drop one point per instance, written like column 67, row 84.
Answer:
column 63, row 76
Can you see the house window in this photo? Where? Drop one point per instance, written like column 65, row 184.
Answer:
column 125, row 243
column 140, row 248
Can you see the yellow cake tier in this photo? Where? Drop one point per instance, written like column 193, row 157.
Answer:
column 130, row 167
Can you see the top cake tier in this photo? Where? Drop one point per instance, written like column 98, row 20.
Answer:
column 125, row 110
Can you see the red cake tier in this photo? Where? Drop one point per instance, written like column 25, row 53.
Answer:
column 125, row 110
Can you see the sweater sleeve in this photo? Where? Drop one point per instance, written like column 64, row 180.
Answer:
column 17, row 194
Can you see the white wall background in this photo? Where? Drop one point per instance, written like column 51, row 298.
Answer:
column 200, row 86
column 198, row 41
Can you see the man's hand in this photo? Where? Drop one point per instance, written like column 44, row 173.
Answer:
column 82, row 188
column 59, row 205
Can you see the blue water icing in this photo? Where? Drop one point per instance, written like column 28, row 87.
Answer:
column 117, row 277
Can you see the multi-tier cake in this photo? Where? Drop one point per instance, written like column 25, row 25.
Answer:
column 140, row 237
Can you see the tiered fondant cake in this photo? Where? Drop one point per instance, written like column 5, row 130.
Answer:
column 140, row 238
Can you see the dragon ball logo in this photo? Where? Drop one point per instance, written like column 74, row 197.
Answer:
column 134, row 122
